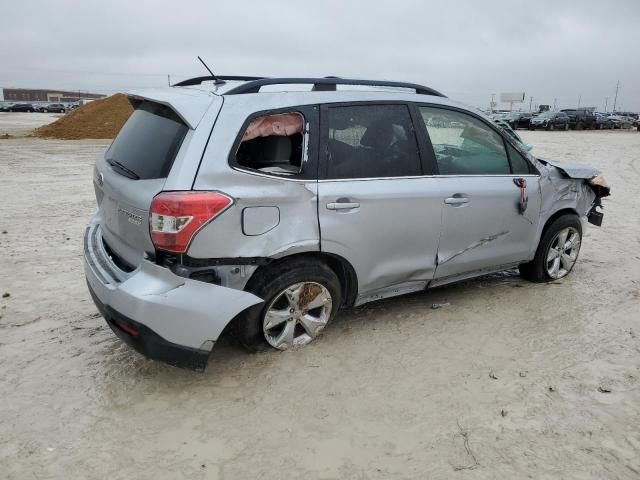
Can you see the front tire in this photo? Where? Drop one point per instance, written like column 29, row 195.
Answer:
column 300, row 298
column 557, row 251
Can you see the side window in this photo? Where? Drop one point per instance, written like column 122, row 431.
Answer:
column 463, row 144
column 519, row 164
column 369, row 141
column 274, row 144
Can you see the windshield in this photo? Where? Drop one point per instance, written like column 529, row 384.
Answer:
column 546, row 115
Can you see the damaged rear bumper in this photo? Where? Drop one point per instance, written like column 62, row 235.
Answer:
column 147, row 342
column 163, row 316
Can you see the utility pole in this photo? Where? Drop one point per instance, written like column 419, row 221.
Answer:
column 530, row 102
column 555, row 103
column 492, row 102
column 169, row 79
column 606, row 102
column 579, row 100
column 615, row 99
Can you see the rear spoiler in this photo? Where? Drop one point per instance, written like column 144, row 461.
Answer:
column 189, row 104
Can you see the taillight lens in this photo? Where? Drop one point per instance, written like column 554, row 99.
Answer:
column 177, row 216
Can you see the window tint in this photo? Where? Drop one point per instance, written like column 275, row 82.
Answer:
column 519, row 165
column 463, row 144
column 148, row 143
column 370, row 141
column 273, row 144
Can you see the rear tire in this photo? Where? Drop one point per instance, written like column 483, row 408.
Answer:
column 294, row 323
column 549, row 265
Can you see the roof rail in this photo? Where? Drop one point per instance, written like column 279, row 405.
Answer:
column 253, row 84
column 198, row 80
column 327, row 83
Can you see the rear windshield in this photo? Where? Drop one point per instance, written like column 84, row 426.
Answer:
column 148, row 143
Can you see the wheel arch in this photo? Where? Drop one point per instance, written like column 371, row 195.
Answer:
column 554, row 217
column 341, row 267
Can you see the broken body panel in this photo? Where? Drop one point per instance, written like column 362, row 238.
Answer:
column 184, row 312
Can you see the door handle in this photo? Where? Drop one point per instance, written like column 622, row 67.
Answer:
column 342, row 205
column 456, row 200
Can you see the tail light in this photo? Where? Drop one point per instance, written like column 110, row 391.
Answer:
column 176, row 217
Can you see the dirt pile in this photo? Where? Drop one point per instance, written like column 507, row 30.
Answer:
column 98, row 119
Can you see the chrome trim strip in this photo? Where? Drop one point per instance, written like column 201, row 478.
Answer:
column 529, row 175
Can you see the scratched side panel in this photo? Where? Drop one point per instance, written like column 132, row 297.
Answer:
column 488, row 230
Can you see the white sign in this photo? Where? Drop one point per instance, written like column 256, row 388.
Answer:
column 512, row 97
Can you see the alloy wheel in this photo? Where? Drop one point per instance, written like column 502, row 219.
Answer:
column 563, row 252
column 297, row 315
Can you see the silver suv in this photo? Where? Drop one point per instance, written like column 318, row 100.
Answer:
column 250, row 205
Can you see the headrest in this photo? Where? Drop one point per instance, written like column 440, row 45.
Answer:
column 378, row 135
column 276, row 150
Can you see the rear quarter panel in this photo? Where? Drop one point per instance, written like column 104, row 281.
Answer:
column 296, row 200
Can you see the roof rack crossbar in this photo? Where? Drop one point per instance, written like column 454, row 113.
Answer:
column 208, row 78
column 253, row 86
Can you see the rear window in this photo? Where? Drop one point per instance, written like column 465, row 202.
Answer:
column 148, row 143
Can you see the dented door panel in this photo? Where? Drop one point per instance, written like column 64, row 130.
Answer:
column 487, row 230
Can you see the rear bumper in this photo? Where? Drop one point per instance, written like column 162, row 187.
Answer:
column 147, row 342
column 163, row 316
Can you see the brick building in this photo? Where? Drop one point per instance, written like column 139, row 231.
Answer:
column 43, row 95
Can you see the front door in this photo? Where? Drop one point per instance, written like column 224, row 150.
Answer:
column 483, row 227
column 376, row 208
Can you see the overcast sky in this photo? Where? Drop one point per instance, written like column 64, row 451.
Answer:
column 466, row 49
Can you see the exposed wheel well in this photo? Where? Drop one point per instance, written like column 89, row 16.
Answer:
column 342, row 268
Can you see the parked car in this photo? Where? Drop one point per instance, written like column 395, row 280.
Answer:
column 54, row 107
column 635, row 116
column 550, row 121
column 4, row 106
column 21, row 107
column 263, row 213
column 580, row 118
column 518, row 119
column 602, row 121
column 618, row 121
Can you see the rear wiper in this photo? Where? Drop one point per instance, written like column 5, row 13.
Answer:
column 127, row 172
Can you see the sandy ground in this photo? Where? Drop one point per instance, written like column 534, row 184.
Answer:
column 508, row 380
column 21, row 124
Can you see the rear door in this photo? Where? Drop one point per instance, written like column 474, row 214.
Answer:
column 482, row 224
column 377, row 208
